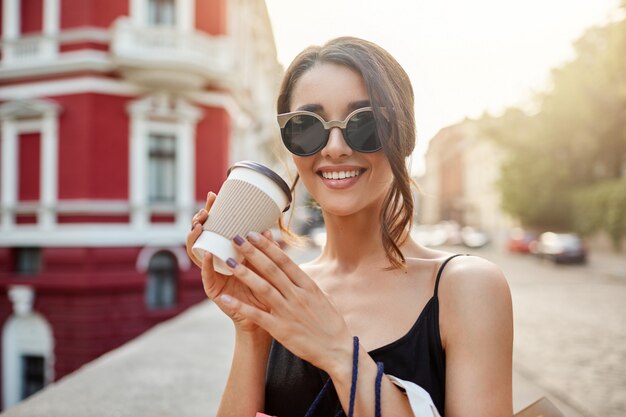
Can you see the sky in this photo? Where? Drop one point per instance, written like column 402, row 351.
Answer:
column 464, row 57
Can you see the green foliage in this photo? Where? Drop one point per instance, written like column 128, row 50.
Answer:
column 575, row 140
column 602, row 206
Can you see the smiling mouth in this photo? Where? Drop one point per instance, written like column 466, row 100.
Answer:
column 340, row 175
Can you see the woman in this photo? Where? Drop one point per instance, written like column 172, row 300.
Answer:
column 448, row 332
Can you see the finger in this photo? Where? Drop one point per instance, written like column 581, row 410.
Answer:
column 192, row 236
column 261, row 288
column 211, row 285
column 210, row 199
column 199, row 218
column 264, row 266
column 233, row 306
column 280, row 259
column 196, row 221
column 270, row 236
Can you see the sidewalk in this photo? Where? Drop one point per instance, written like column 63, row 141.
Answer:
column 178, row 368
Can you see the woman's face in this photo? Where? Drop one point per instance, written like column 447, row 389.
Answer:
column 334, row 91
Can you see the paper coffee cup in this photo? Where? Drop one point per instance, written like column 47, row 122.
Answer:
column 251, row 199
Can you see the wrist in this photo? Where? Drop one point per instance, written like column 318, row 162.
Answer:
column 338, row 364
column 258, row 337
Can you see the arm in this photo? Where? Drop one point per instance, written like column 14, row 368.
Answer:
column 247, row 373
column 244, row 391
column 393, row 401
column 476, row 324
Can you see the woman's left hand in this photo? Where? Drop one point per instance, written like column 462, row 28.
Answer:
column 301, row 316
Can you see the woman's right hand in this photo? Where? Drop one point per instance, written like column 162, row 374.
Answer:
column 216, row 284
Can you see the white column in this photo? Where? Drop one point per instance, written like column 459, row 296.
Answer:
column 185, row 172
column 10, row 27
column 186, row 15
column 51, row 17
column 48, row 172
column 138, row 11
column 138, row 172
column 10, row 178
column 50, row 43
column 10, row 19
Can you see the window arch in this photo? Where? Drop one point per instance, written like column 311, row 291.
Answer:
column 162, row 283
column 27, row 349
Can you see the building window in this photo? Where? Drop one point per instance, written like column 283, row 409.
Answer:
column 162, row 168
column 162, row 12
column 27, row 261
column 33, row 374
column 161, row 286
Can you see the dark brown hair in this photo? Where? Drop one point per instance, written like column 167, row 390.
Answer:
column 389, row 88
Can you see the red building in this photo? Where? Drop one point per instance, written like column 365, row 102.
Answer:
column 117, row 117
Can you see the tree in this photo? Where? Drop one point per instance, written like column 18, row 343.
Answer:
column 575, row 141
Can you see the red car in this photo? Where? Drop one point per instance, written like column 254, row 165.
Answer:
column 520, row 240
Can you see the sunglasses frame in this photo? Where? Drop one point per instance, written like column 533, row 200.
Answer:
column 284, row 118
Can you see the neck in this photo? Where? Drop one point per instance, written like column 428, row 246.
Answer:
column 354, row 242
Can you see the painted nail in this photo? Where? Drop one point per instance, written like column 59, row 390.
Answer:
column 232, row 263
column 254, row 237
column 238, row 240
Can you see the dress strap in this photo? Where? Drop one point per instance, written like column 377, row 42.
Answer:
column 443, row 265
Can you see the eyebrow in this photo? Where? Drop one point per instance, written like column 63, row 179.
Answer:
column 311, row 107
column 317, row 108
column 359, row 104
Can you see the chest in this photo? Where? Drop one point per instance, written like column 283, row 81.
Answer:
column 379, row 309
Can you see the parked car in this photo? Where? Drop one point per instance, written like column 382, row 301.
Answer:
column 520, row 240
column 473, row 238
column 429, row 235
column 560, row 248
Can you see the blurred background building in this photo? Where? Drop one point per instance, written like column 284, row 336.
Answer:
column 117, row 117
column 459, row 184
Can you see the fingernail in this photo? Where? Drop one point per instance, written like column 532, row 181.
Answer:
column 238, row 240
column 226, row 299
column 254, row 237
column 232, row 263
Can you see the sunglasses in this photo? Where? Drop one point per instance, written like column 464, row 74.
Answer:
column 305, row 133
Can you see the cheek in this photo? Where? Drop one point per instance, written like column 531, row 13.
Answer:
column 304, row 166
column 383, row 175
column 300, row 163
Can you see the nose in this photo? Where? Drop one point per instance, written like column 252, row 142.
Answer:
column 336, row 147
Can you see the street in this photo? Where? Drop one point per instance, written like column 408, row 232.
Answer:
column 570, row 330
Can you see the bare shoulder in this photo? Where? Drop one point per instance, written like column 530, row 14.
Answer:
column 474, row 298
column 470, row 276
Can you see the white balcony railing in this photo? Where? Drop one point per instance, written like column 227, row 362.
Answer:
column 165, row 55
column 28, row 49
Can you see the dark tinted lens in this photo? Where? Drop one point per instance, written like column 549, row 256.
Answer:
column 304, row 135
column 361, row 132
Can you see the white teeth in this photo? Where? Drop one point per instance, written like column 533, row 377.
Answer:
column 339, row 175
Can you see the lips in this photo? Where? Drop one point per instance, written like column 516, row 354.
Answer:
column 339, row 177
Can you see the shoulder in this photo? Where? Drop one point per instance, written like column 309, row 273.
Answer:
column 474, row 297
column 466, row 276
